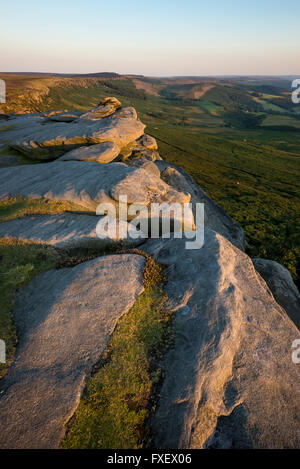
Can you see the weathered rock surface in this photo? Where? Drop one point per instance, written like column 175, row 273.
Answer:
column 65, row 230
column 126, row 112
column 52, row 140
column 148, row 142
column 65, row 319
column 281, row 284
column 100, row 153
column 8, row 160
column 19, row 127
column 86, row 183
column 142, row 152
column 63, row 117
column 147, row 165
column 230, row 381
column 215, row 217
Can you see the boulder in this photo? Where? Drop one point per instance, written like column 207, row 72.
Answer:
column 105, row 108
column 125, row 112
column 141, row 152
column 100, row 153
column 215, row 217
column 111, row 101
column 147, row 165
column 281, row 284
column 64, row 319
column 66, row 230
column 148, row 142
column 229, row 380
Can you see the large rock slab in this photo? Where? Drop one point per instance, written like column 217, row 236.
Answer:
column 19, row 127
column 65, row 230
column 49, row 141
column 87, row 183
column 8, row 160
column 230, row 381
column 281, row 284
column 100, row 153
column 64, row 319
column 215, row 217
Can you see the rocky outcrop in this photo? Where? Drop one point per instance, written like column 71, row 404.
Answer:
column 66, row 231
column 230, row 381
column 281, row 284
column 50, row 135
column 52, row 141
column 65, row 319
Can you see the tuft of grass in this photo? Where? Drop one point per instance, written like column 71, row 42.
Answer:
column 20, row 261
column 120, row 395
column 17, row 207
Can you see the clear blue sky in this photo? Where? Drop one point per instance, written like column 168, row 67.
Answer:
column 165, row 37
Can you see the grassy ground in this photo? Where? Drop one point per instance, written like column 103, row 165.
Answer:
column 118, row 398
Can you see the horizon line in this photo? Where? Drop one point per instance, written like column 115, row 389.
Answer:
column 153, row 76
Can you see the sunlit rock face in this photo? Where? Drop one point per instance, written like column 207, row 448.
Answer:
column 230, row 380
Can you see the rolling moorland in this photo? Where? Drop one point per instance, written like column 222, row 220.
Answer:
column 238, row 137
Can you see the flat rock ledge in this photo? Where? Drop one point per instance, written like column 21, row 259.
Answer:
column 64, row 230
column 100, row 153
column 64, row 318
column 87, row 183
column 230, row 381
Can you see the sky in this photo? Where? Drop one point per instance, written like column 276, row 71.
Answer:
column 154, row 38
